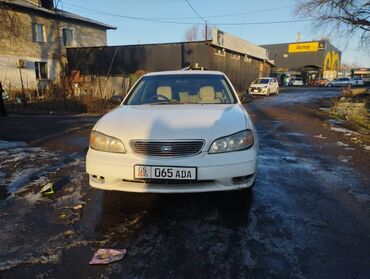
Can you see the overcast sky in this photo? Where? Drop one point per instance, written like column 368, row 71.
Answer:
column 154, row 21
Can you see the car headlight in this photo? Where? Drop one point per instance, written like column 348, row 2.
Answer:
column 235, row 142
column 101, row 142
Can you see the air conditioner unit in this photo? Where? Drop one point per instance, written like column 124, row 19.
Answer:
column 21, row 63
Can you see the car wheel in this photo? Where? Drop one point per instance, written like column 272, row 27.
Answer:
column 349, row 85
column 329, row 85
column 268, row 93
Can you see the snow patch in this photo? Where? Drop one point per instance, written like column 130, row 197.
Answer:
column 11, row 144
column 344, row 159
column 340, row 129
column 339, row 143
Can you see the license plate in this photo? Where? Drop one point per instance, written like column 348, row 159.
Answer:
column 159, row 172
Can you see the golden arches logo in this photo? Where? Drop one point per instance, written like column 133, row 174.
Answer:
column 331, row 62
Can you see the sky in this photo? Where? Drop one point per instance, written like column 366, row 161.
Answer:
column 160, row 21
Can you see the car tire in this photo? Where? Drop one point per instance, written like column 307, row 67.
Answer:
column 329, row 85
column 349, row 85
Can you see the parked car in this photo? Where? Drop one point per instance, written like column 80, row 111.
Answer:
column 320, row 82
column 264, row 86
column 175, row 132
column 296, row 81
column 341, row 82
column 357, row 81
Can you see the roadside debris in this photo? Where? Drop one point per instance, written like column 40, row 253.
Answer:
column 77, row 207
column 48, row 189
column 106, row 256
column 51, row 188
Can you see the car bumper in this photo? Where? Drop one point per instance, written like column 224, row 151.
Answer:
column 263, row 92
column 216, row 172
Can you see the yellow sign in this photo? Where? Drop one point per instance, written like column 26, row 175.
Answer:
column 303, row 47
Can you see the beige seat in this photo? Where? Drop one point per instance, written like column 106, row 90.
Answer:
column 165, row 91
column 207, row 95
column 184, row 97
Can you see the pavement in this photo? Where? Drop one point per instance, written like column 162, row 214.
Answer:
column 308, row 215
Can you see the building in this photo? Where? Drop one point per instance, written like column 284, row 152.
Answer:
column 311, row 59
column 106, row 71
column 34, row 36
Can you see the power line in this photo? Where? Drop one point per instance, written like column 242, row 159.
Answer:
column 202, row 18
column 187, row 23
column 206, row 17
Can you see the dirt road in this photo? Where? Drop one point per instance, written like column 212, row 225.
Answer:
column 307, row 217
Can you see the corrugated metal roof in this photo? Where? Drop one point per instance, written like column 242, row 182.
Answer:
column 56, row 13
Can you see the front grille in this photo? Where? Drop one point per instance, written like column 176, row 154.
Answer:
column 167, row 148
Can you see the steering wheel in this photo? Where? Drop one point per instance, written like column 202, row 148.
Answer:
column 163, row 98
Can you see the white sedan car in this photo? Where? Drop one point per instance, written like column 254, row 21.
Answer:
column 264, row 86
column 175, row 132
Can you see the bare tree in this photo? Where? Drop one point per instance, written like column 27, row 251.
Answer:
column 343, row 17
column 196, row 33
column 10, row 22
column 192, row 34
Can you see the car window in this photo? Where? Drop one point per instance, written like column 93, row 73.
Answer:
column 181, row 89
column 261, row 81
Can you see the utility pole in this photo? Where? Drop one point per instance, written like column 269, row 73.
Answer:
column 206, row 30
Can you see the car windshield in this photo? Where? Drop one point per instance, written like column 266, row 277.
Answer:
column 298, row 78
column 181, row 89
column 261, row 81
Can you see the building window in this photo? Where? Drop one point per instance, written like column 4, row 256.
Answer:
column 220, row 52
column 235, row 56
column 41, row 70
column 38, row 33
column 247, row 59
column 67, row 37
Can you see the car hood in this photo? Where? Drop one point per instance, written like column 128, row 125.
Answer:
column 258, row 85
column 164, row 122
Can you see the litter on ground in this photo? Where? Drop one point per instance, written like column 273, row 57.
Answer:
column 48, row 189
column 320, row 136
column 77, row 207
column 105, row 256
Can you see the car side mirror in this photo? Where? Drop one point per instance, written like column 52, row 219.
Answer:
column 246, row 98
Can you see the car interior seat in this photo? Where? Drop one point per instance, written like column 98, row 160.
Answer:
column 207, row 95
column 165, row 91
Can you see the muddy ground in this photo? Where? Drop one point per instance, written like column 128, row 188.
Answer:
column 307, row 217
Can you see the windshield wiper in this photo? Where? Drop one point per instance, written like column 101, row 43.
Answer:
column 167, row 103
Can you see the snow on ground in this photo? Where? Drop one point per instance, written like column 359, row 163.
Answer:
column 24, row 171
column 13, row 144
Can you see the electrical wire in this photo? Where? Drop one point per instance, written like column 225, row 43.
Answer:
column 187, row 23
column 195, row 11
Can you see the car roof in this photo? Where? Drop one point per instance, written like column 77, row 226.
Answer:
column 185, row 72
column 265, row 77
